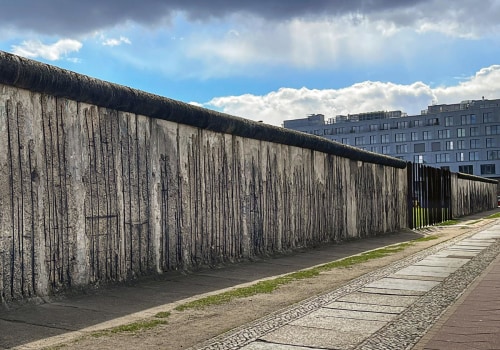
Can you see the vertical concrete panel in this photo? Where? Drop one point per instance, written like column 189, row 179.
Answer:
column 155, row 193
column 38, row 190
column 165, row 142
column 186, row 136
column 77, row 167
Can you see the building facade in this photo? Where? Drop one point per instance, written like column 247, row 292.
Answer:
column 462, row 137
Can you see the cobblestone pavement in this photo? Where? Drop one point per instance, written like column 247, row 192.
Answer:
column 392, row 308
column 473, row 322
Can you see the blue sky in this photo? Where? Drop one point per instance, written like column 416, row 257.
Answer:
column 271, row 60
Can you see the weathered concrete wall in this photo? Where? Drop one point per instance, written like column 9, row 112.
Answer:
column 98, row 191
column 472, row 194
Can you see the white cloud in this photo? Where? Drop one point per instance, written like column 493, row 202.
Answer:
column 53, row 52
column 367, row 96
column 116, row 42
column 305, row 43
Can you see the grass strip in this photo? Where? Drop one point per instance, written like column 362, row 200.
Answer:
column 493, row 216
column 269, row 286
column 135, row 327
column 448, row 223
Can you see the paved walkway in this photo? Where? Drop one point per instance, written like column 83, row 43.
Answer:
column 394, row 308
column 390, row 308
column 473, row 322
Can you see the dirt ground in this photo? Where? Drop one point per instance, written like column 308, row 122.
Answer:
column 191, row 327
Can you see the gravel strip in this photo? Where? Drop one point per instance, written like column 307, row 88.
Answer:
column 420, row 316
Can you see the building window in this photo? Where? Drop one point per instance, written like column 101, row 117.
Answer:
column 444, row 134
column 373, row 139
column 461, row 144
column 358, row 141
column 460, row 132
column 355, row 129
column 474, row 131
column 374, row 149
column 436, row 146
column 417, row 123
column 460, row 157
column 493, row 155
column 401, row 149
column 487, row 169
column 400, row 137
column 384, row 138
column 419, row 147
column 402, row 125
column 442, row 158
column 385, row 126
column 490, row 143
column 433, row 121
column 427, row 135
column 418, row 159
column 448, row 121
column 492, row 130
column 373, row 127
column 385, row 149
column 474, row 155
column 474, row 143
column 466, row 169
column 345, row 141
column 468, row 119
column 414, row 136
column 340, row 130
column 449, row 145
column 488, row 117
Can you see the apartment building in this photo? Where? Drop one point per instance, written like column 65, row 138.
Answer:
column 462, row 137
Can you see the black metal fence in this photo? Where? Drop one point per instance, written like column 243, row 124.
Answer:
column 429, row 195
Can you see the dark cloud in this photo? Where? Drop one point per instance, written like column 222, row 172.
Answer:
column 65, row 17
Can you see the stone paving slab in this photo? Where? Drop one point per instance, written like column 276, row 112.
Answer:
column 403, row 284
column 417, row 278
column 467, row 248
column 398, row 292
column 328, row 314
column 442, row 262
column 328, row 319
column 379, row 299
column 460, row 254
column 355, row 306
column 270, row 346
column 474, row 243
column 315, row 338
column 432, row 271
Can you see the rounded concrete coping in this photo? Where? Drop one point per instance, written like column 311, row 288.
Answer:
column 46, row 79
column 476, row 178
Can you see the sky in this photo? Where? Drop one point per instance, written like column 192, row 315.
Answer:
column 271, row 60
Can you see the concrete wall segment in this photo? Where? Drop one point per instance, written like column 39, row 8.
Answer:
column 96, row 190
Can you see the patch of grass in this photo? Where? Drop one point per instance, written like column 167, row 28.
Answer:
column 493, row 216
column 269, row 286
column 448, row 223
column 261, row 287
column 133, row 328
column 163, row 314
column 426, row 238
